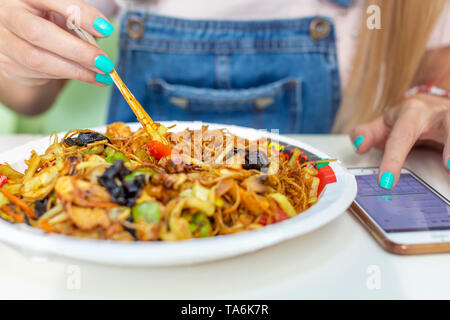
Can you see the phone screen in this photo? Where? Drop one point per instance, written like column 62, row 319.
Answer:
column 410, row 206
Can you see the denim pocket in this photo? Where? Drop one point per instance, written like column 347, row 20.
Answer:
column 265, row 107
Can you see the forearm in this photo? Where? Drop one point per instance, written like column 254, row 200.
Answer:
column 28, row 100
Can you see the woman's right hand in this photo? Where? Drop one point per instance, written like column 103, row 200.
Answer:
column 36, row 45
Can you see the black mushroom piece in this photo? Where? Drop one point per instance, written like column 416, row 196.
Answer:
column 122, row 192
column 72, row 163
column 253, row 159
column 40, row 207
column 85, row 138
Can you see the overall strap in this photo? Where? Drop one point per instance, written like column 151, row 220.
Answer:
column 344, row 3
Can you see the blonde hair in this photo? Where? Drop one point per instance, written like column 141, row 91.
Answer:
column 387, row 59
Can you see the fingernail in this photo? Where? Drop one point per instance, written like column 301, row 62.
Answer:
column 387, row 180
column 448, row 163
column 358, row 141
column 103, row 26
column 104, row 64
column 104, row 78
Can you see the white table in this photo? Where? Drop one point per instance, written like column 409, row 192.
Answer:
column 332, row 262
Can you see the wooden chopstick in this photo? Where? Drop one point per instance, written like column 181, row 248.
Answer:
column 142, row 116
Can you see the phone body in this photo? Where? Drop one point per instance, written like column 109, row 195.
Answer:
column 413, row 218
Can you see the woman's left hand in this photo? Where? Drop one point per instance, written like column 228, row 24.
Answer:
column 422, row 119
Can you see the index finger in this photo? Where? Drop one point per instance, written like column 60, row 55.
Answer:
column 78, row 12
column 404, row 134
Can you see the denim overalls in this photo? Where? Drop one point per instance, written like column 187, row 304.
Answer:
column 277, row 74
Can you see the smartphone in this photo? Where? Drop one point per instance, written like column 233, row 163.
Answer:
column 412, row 218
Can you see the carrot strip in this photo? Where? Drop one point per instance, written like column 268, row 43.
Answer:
column 22, row 205
column 17, row 217
column 44, row 225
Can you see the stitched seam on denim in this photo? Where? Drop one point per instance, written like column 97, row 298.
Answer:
column 221, row 73
column 294, row 104
column 214, row 100
column 164, row 86
column 231, row 43
column 236, row 50
column 217, row 57
column 301, row 27
column 335, row 87
column 215, row 104
column 228, row 70
column 299, row 102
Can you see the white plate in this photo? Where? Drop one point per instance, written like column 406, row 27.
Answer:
column 334, row 200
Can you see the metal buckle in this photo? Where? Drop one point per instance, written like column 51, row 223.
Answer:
column 135, row 28
column 319, row 28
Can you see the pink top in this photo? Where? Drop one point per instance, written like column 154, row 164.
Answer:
column 347, row 20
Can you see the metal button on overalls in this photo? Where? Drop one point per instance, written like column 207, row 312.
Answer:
column 319, row 28
column 135, row 28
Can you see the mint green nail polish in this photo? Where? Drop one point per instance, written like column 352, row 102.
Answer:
column 104, row 64
column 358, row 141
column 387, row 180
column 104, row 78
column 103, row 26
column 448, row 163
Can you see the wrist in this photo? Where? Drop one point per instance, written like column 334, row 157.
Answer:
column 25, row 99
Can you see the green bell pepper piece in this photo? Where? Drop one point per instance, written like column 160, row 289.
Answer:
column 139, row 172
column 113, row 155
column 96, row 150
column 201, row 223
column 148, row 211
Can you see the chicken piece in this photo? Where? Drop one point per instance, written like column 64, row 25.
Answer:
column 174, row 181
column 122, row 236
column 254, row 203
column 118, row 129
column 255, row 184
column 87, row 218
column 65, row 189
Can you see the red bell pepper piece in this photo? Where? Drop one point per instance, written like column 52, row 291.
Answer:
column 263, row 219
column 158, row 149
column 326, row 176
column 281, row 215
column 3, row 180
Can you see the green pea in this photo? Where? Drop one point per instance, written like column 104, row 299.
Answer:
column 148, row 211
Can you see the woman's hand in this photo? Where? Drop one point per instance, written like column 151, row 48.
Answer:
column 36, row 46
column 420, row 120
